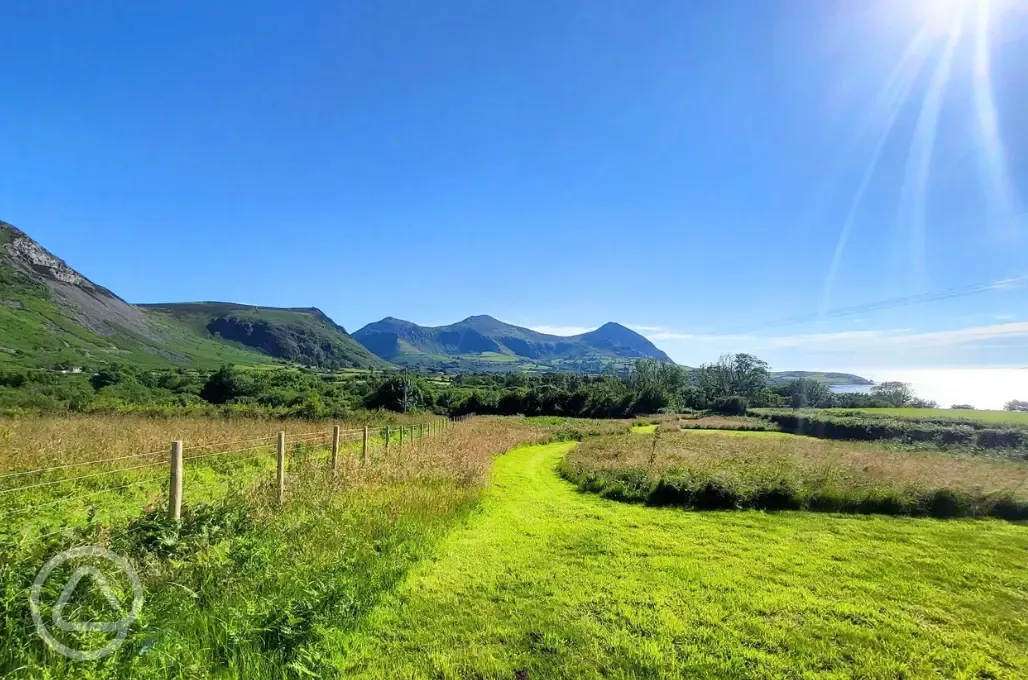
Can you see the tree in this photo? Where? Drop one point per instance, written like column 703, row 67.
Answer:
column 109, row 375
column 896, row 394
column 223, row 386
column 917, row 402
column 1016, row 405
column 733, row 375
column 398, row 393
column 962, row 407
column 807, row 393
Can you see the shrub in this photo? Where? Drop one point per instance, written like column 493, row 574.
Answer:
column 942, row 432
column 734, row 405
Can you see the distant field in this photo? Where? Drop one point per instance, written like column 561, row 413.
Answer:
column 955, row 414
column 741, row 433
column 496, row 356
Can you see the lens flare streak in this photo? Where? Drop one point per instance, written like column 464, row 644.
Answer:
column 945, row 22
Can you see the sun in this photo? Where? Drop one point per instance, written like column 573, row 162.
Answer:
column 930, row 64
column 946, row 16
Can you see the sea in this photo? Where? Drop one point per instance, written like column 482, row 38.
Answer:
column 983, row 388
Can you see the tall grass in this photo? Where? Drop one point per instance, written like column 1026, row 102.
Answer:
column 681, row 468
column 243, row 586
column 1009, row 439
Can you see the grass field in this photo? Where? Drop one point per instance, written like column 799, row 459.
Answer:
column 243, row 586
column 1015, row 417
column 454, row 560
column 561, row 584
column 710, row 469
column 741, row 433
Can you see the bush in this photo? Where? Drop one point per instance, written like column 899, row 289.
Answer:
column 734, row 405
column 942, row 432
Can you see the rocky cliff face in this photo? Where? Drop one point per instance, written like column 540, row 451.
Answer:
column 92, row 306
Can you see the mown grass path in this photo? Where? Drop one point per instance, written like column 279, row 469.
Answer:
column 566, row 585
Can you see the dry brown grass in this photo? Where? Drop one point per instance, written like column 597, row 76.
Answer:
column 852, row 463
column 728, row 423
column 464, row 452
column 32, row 442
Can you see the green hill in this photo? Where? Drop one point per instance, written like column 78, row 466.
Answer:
column 483, row 343
column 829, row 378
column 300, row 335
column 51, row 316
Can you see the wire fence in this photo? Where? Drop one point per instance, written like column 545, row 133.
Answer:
column 178, row 456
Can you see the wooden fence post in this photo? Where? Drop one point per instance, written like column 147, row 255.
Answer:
column 335, row 447
column 401, row 437
column 364, row 449
column 175, row 488
column 280, row 474
column 388, row 435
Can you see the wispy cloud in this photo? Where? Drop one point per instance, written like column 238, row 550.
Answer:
column 561, row 330
column 1007, row 284
column 645, row 329
column 849, row 340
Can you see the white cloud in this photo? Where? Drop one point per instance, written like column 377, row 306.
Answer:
column 561, row 330
column 645, row 329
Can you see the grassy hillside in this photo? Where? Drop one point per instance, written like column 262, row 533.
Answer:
column 300, row 335
column 50, row 316
column 482, row 343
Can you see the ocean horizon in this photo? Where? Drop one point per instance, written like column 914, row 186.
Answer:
column 983, row 388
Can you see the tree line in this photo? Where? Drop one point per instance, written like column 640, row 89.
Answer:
column 732, row 384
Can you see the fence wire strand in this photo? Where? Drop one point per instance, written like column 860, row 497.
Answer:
column 80, row 478
column 68, row 499
column 72, row 465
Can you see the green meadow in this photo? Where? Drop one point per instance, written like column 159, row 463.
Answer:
column 477, row 553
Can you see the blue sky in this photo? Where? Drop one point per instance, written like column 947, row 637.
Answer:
column 685, row 168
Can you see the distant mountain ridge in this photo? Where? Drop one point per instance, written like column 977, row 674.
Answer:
column 51, row 316
column 486, row 343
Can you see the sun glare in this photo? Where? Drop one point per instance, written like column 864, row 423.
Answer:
column 937, row 28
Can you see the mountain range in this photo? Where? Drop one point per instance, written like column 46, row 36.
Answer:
column 483, row 343
column 51, row 316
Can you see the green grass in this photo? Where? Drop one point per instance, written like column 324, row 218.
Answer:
column 732, row 470
column 644, row 429
column 568, row 585
column 1015, row 417
column 742, row 433
column 496, row 356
